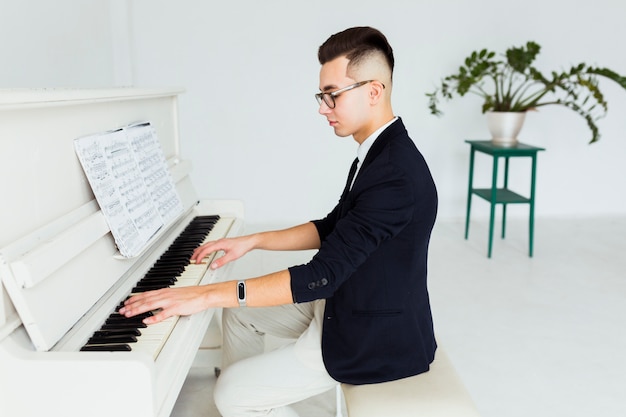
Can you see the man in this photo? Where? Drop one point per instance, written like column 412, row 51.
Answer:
column 359, row 311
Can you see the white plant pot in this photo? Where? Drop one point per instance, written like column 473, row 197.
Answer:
column 505, row 126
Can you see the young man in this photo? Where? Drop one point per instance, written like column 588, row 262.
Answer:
column 359, row 311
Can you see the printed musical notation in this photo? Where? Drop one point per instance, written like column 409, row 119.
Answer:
column 128, row 174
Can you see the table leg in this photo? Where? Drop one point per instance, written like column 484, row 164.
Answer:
column 469, row 192
column 494, row 191
column 506, row 185
column 531, row 216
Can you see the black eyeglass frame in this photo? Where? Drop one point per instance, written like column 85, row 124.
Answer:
column 333, row 94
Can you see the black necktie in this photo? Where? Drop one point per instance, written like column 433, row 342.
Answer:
column 350, row 176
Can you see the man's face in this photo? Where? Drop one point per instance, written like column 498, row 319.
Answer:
column 351, row 107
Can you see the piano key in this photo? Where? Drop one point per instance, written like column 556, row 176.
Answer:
column 119, row 319
column 147, row 288
column 153, row 338
column 115, row 314
column 120, row 325
column 94, row 340
column 156, row 274
column 121, row 331
column 106, row 348
column 152, row 282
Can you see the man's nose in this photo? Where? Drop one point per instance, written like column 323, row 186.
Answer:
column 324, row 109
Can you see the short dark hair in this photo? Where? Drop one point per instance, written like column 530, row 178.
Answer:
column 355, row 44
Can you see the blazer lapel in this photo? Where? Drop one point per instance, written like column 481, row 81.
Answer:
column 381, row 142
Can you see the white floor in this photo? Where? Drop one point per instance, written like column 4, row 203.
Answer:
column 542, row 336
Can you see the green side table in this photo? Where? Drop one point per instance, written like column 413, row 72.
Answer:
column 503, row 195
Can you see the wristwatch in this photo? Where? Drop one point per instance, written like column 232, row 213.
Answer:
column 241, row 293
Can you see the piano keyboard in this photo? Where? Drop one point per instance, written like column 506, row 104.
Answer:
column 172, row 269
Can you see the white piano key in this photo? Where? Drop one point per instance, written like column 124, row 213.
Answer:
column 154, row 337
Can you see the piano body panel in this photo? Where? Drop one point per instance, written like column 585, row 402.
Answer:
column 78, row 285
column 73, row 384
column 60, row 273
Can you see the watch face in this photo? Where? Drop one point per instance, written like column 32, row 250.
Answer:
column 241, row 291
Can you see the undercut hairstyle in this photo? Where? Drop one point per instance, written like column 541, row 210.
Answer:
column 356, row 44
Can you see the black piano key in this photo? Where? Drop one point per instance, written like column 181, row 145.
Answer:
column 160, row 275
column 111, row 340
column 177, row 251
column 117, row 316
column 124, row 320
column 137, row 290
column 163, row 282
column 176, row 270
column 117, row 332
column 121, row 325
column 106, row 348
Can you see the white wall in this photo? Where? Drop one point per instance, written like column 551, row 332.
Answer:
column 251, row 125
column 61, row 43
column 249, row 120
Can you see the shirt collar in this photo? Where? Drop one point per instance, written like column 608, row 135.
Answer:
column 367, row 143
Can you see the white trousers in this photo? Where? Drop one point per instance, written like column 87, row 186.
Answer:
column 254, row 382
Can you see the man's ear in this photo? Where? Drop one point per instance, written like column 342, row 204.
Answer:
column 376, row 91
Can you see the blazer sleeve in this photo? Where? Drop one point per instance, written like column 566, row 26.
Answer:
column 379, row 206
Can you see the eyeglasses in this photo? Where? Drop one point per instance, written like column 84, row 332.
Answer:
column 329, row 98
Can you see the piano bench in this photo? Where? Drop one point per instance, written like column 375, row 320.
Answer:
column 436, row 393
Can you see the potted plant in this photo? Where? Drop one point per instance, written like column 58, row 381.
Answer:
column 512, row 86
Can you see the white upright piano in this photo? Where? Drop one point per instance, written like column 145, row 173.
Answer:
column 62, row 276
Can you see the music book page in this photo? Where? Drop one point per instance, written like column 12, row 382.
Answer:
column 128, row 174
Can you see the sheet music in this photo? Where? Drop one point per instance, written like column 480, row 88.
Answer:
column 128, row 174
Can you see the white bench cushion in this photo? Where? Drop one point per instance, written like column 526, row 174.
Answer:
column 436, row 393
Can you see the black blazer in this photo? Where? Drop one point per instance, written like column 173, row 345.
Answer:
column 372, row 267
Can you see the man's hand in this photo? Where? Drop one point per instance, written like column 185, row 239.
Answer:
column 233, row 248
column 168, row 302
column 302, row 237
